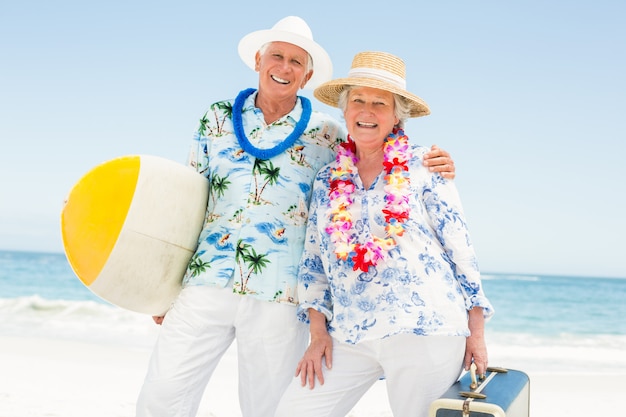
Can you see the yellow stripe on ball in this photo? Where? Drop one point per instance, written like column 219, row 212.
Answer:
column 91, row 224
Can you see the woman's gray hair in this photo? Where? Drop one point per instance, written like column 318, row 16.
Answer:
column 402, row 109
column 309, row 61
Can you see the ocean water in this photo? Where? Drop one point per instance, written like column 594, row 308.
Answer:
column 542, row 323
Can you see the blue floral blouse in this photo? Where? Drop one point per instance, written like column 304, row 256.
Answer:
column 426, row 286
column 256, row 215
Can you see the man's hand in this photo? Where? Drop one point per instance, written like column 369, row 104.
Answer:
column 438, row 160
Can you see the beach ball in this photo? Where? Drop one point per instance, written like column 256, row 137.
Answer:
column 130, row 227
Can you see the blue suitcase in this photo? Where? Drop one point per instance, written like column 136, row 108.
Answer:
column 502, row 393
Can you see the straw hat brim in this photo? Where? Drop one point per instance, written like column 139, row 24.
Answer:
column 322, row 65
column 328, row 93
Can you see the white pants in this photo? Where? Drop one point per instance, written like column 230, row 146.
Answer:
column 417, row 370
column 197, row 331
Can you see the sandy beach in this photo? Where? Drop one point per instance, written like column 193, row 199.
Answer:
column 66, row 378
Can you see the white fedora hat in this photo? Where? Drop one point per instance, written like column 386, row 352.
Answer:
column 294, row 30
column 377, row 70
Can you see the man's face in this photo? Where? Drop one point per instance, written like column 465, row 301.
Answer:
column 282, row 69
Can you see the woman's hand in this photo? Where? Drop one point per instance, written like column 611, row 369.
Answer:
column 158, row 319
column 438, row 160
column 321, row 346
column 475, row 346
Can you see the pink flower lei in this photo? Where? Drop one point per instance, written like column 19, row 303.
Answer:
column 396, row 210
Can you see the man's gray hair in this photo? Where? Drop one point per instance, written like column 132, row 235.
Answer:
column 309, row 61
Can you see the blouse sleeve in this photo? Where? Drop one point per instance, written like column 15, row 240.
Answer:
column 313, row 284
column 445, row 213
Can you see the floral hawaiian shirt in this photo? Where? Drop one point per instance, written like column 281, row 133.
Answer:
column 429, row 280
column 255, row 223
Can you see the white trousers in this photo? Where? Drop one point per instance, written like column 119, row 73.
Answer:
column 417, row 370
column 196, row 333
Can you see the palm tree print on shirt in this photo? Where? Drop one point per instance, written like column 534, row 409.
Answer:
column 265, row 173
column 249, row 262
column 226, row 109
column 217, row 188
column 197, row 265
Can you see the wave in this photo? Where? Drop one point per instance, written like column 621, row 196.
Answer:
column 562, row 353
column 509, row 277
column 34, row 316
column 35, row 304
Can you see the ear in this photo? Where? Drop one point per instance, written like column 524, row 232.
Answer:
column 307, row 77
column 257, row 61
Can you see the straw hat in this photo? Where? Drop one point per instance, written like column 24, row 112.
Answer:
column 377, row 70
column 294, row 30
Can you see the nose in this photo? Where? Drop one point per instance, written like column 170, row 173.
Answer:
column 368, row 108
column 285, row 65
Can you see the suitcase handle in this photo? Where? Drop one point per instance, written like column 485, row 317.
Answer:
column 493, row 369
column 475, row 383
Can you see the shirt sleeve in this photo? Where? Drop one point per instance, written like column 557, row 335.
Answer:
column 198, row 150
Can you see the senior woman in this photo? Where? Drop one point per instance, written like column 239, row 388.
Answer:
column 388, row 281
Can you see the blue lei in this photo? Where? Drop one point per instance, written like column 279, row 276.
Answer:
column 281, row 147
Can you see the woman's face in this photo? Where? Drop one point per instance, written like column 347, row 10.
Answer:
column 370, row 115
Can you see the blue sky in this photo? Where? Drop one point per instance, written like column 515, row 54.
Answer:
column 529, row 97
